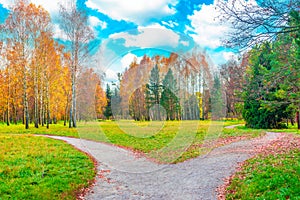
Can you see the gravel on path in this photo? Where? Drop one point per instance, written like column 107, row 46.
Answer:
column 123, row 175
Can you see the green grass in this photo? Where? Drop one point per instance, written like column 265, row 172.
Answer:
column 168, row 142
column 55, row 129
column 271, row 177
column 41, row 168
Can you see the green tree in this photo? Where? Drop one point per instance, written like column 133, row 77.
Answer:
column 108, row 111
column 153, row 93
column 169, row 99
column 263, row 106
column 217, row 101
column 283, row 80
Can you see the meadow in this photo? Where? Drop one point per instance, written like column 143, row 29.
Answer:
column 41, row 168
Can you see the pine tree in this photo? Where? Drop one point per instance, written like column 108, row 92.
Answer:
column 217, row 102
column 264, row 104
column 153, row 93
column 108, row 111
column 169, row 100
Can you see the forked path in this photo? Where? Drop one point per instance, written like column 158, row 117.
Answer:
column 122, row 175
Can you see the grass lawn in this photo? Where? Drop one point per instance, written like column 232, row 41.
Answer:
column 55, row 129
column 41, row 168
column 167, row 142
column 271, row 177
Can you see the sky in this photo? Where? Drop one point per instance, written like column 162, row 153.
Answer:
column 126, row 29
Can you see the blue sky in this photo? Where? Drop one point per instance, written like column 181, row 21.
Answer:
column 131, row 28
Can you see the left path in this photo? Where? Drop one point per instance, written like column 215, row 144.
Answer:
column 111, row 159
column 112, row 156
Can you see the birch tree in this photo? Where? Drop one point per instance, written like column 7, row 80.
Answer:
column 74, row 23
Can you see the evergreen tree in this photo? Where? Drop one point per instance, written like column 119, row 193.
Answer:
column 169, row 100
column 153, row 94
column 108, row 111
column 116, row 102
column 285, row 70
column 217, row 102
column 264, row 106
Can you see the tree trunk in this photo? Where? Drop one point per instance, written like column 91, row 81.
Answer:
column 26, row 113
column 7, row 113
column 7, row 117
column 73, row 103
column 47, row 104
column 298, row 119
column 36, row 110
column 8, row 98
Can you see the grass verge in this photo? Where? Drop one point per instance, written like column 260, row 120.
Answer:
column 42, row 168
column 272, row 174
column 272, row 177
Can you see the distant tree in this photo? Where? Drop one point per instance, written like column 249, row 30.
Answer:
column 88, row 81
column 169, row 99
column 137, row 105
column 116, row 100
column 100, row 100
column 232, row 74
column 153, row 93
column 108, row 111
column 217, row 100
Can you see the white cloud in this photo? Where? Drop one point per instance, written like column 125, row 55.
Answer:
column 58, row 33
column 207, row 27
column 94, row 21
column 230, row 55
column 170, row 23
column 149, row 37
column 132, row 10
column 51, row 6
column 6, row 3
column 222, row 57
column 111, row 75
column 128, row 58
column 185, row 43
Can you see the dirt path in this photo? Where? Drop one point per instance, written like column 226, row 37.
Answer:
column 233, row 126
column 121, row 175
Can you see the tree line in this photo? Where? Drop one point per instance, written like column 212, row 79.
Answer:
column 178, row 87
column 42, row 81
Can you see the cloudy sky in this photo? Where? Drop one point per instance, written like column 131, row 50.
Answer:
column 131, row 28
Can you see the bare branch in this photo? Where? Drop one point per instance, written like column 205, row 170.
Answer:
column 253, row 23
